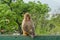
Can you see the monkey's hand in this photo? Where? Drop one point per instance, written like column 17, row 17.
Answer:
column 32, row 34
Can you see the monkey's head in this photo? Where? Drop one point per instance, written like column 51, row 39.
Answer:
column 27, row 16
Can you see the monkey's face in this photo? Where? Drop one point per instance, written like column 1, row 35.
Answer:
column 27, row 18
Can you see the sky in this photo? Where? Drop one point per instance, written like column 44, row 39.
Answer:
column 53, row 4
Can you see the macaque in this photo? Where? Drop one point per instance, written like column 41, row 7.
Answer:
column 28, row 26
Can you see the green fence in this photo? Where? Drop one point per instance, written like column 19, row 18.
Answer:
column 29, row 38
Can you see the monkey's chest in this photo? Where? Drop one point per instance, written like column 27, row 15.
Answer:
column 28, row 25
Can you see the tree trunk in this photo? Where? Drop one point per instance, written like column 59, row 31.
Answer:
column 19, row 27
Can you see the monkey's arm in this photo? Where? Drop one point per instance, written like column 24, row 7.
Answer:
column 24, row 27
column 32, row 31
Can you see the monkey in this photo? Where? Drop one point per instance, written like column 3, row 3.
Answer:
column 28, row 26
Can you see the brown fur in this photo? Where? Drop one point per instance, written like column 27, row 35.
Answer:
column 27, row 25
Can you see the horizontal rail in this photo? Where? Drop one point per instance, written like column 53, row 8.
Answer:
column 29, row 38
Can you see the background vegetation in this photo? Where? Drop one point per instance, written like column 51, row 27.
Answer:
column 11, row 15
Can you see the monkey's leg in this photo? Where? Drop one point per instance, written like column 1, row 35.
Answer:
column 32, row 34
column 25, row 33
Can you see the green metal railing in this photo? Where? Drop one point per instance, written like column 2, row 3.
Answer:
column 29, row 38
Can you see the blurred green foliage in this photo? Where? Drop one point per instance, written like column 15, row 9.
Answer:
column 12, row 11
